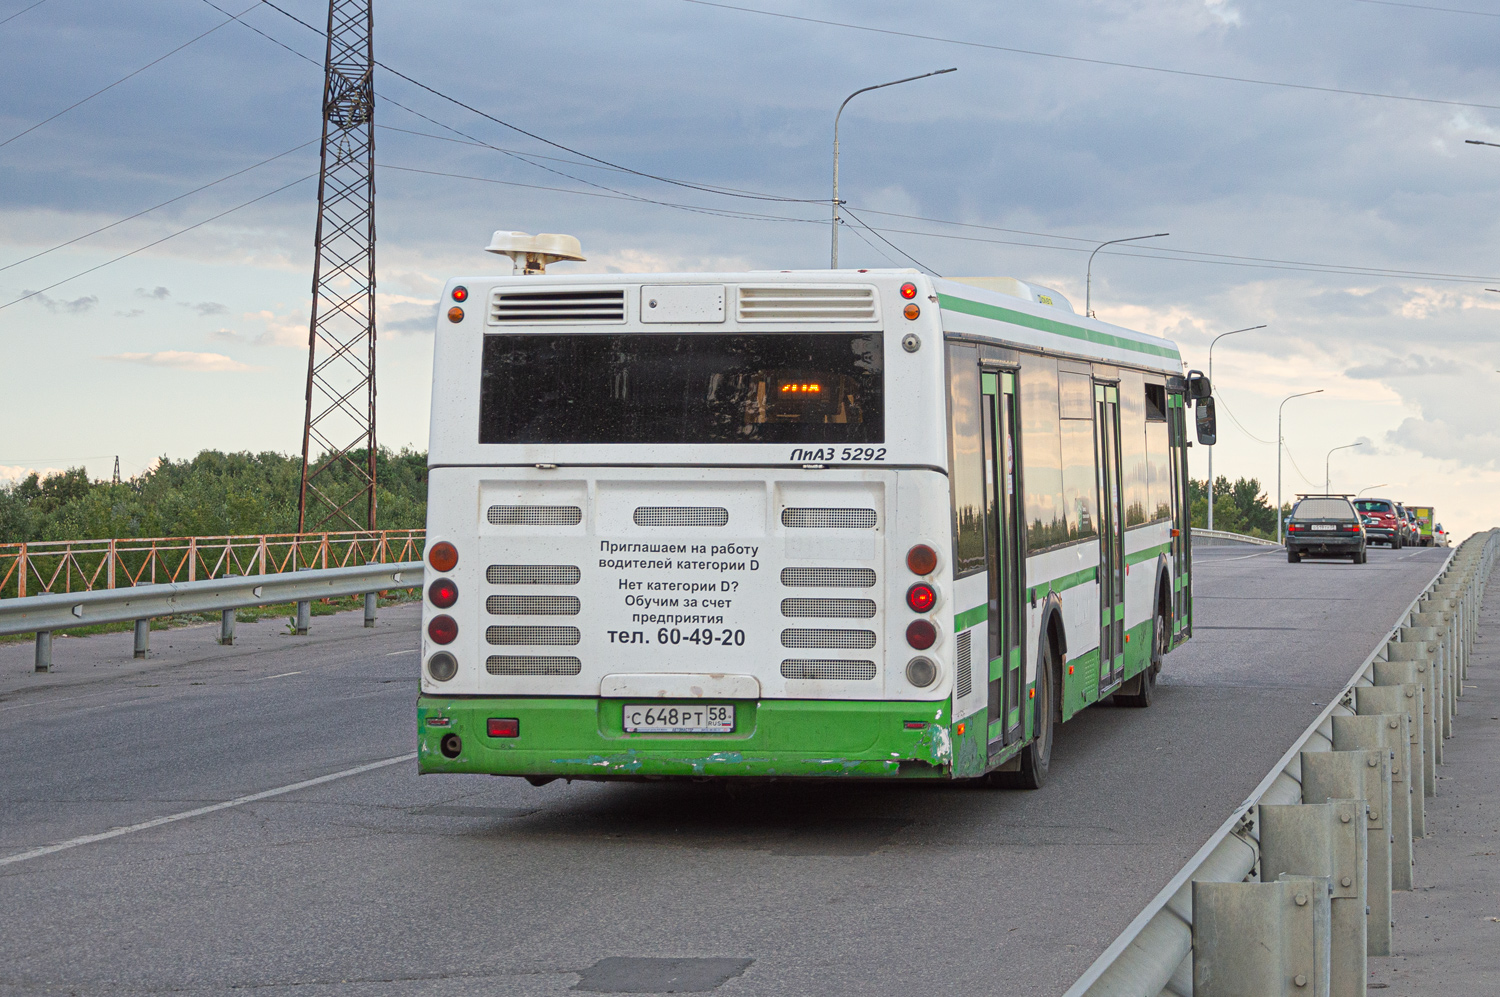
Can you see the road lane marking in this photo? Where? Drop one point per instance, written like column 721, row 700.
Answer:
column 240, row 801
column 283, row 675
column 392, row 654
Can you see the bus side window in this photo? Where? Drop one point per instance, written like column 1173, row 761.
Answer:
column 1133, row 433
column 1041, row 454
column 966, row 447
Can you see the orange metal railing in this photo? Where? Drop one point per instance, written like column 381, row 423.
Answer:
column 86, row 565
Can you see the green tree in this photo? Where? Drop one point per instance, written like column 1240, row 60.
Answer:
column 1240, row 507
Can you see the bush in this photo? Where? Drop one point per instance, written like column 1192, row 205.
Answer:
column 212, row 494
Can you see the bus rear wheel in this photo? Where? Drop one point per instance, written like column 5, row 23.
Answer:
column 1036, row 757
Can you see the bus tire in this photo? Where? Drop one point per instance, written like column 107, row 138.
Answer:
column 1036, row 757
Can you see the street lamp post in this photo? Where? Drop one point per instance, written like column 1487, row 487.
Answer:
column 1088, row 279
column 1327, row 480
column 1232, row 332
column 1300, row 394
column 834, row 256
column 1363, row 490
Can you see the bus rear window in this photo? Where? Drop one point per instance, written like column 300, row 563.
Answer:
column 697, row 388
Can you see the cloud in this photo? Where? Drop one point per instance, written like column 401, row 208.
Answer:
column 1436, row 438
column 228, row 335
column 133, row 313
column 157, row 293
column 1412, row 365
column 202, row 362
column 281, row 330
column 206, row 308
column 75, row 307
column 13, row 473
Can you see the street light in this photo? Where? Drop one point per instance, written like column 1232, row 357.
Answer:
column 1363, row 490
column 1088, row 280
column 1220, row 336
column 1327, row 481
column 1288, row 398
column 834, row 256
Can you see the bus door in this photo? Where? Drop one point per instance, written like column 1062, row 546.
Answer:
column 1182, row 566
column 1111, row 537
column 1005, row 552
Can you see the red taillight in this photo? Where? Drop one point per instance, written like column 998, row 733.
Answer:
column 1292, row 527
column 503, row 727
column 921, row 597
column 442, row 629
column 442, row 593
column 443, row 556
column 460, row 293
column 915, row 724
column 908, row 290
column 921, row 634
column 921, row 560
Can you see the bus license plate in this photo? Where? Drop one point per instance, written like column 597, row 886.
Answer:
column 1321, row 526
column 676, row 718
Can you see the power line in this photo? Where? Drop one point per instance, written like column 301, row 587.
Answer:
column 707, row 188
column 85, row 100
column 22, row 11
column 1093, row 62
column 876, row 233
column 141, row 249
column 1419, row 6
column 143, row 211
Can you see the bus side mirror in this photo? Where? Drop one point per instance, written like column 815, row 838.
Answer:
column 1197, row 386
column 1207, row 427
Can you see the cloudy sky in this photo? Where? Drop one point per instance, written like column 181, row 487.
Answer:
column 1308, row 158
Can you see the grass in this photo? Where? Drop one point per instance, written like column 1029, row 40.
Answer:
column 287, row 610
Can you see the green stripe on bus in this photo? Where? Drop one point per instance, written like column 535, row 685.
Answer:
column 1053, row 326
column 1148, row 553
column 1065, row 582
column 969, row 617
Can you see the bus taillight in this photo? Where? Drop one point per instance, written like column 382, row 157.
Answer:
column 443, row 556
column 921, row 634
column 908, row 290
column 921, row 597
column 442, row 593
column 921, row 560
column 503, row 727
column 444, row 629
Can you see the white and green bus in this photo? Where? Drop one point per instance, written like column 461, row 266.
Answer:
column 869, row 524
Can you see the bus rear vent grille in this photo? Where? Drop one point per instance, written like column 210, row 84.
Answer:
column 532, row 636
column 532, row 664
column 964, row 665
column 829, row 519
column 685, row 515
column 807, row 304
column 532, row 574
column 532, row 605
column 535, row 515
column 828, row 670
column 845, row 609
column 551, row 307
column 842, row 639
column 832, row 578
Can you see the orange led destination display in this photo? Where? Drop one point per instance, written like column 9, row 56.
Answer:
column 801, row 389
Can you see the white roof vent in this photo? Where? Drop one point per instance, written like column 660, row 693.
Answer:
column 531, row 253
column 1018, row 289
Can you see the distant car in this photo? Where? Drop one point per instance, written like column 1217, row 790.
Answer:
column 1439, row 535
column 1408, row 528
column 1381, row 523
column 1325, row 526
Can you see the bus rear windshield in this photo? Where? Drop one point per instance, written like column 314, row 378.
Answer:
column 822, row 387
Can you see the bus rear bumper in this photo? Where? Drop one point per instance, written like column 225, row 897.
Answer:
column 583, row 738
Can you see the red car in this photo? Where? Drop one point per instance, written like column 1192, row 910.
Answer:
column 1384, row 524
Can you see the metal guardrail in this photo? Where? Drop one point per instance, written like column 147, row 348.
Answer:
column 1153, row 956
column 42, row 614
column 1199, row 534
column 28, row 569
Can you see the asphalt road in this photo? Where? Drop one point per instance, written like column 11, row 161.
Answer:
column 384, row 883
